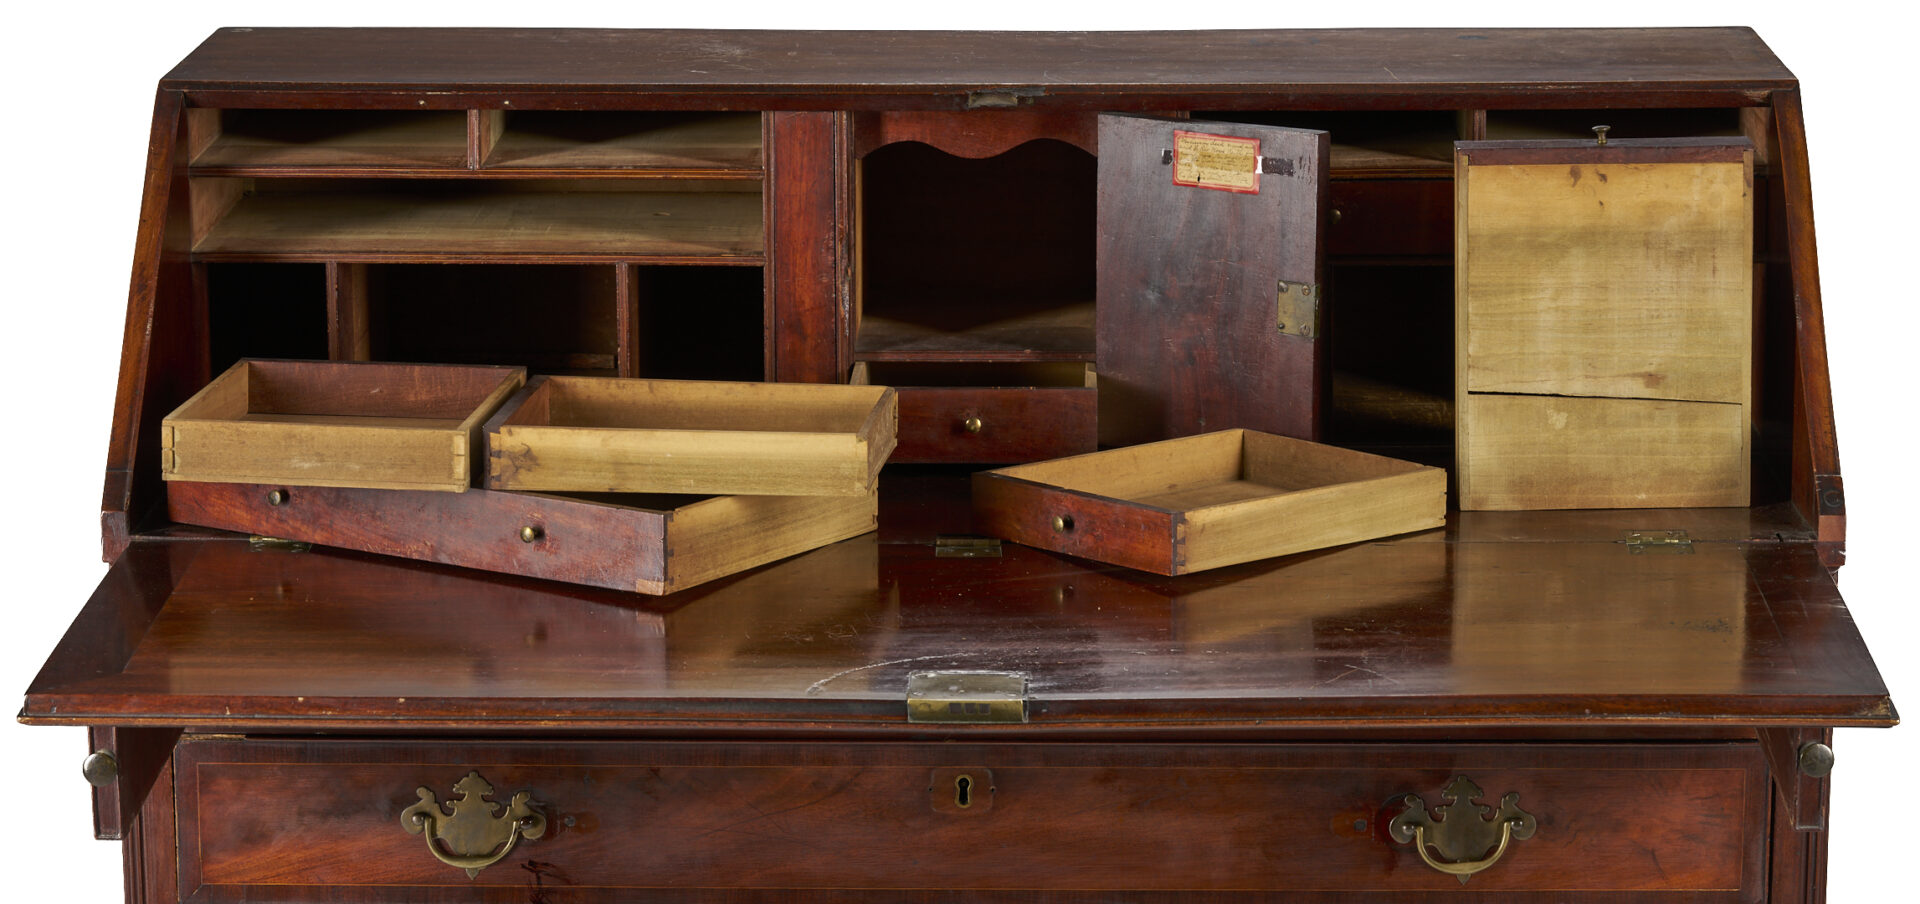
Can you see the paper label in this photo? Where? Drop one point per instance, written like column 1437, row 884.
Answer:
column 1219, row 162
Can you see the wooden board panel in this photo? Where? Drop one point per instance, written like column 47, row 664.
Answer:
column 582, row 434
column 1593, row 278
column 1521, row 452
column 1260, row 820
column 718, row 227
column 1187, row 332
column 647, row 544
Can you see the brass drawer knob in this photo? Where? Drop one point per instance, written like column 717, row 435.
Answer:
column 100, row 768
column 1062, row 523
column 973, row 424
column 1461, row 832
column 471, row 837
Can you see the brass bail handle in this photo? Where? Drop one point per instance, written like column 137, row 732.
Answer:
column 1463, row 833
column 472, row 837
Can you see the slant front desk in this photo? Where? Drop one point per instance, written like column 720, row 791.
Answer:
column 1576, row 705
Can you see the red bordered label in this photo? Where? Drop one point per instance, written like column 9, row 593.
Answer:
column 1219, row 162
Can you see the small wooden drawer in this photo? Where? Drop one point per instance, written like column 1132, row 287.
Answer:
column 1391, row 218
column 609, row 435
column 1200, row 502
column 649, row 544
column 989, row 413
column 292, row 820
column 336, row 424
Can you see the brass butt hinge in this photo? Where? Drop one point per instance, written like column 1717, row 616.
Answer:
column 967, row 698
column 1671, row 542
column 257, row 543
column 955, row 546
column 1299, row 309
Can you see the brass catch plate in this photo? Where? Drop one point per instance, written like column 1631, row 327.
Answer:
column 974, row 698
column 1299, row 309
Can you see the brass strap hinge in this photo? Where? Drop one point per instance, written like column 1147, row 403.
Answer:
column 1299, row 309
column 974, row 698
column 1673, row 542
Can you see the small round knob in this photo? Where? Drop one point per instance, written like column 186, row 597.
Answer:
column 276, row 497
column 1816, row 759
column 530, row 533
column 1062, row 523
column 1336, row 216
column 1600, row 134
column 973, row 424
column 100, row 768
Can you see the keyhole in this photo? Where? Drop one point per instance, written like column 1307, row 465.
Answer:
column 963, row 791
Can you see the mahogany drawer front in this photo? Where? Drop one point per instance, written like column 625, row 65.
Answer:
column 994, row 426
column 1391, row 218
column 308, row 820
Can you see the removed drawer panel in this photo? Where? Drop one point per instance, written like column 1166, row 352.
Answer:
column 989, row 413
column 605, row 821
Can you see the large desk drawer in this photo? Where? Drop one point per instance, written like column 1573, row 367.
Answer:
column 300, row 820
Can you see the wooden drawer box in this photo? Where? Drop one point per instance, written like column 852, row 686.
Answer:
column 315, row 820
column 1185, row 505
column 604, row 435
column 1390, row 218
column 648, row 544
column 989, row 413
column 329, row 423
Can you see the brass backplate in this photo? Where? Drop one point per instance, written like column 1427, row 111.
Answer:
column 1299, row 309
column 967, row 697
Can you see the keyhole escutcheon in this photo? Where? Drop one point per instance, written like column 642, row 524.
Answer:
column 963, row 791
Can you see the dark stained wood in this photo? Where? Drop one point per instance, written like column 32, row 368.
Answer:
column 1303, row 821
column 1803, row 796
column 963, row 326
column 1022, row 511
column 1798, row 860
column 1816, row 458
column 1615, row 151
column 150, row 854
column 1378, row 635
column 1379, row 217
column 972, row 134
column 805, row 198
column 887, row 70
column 348, row 329
column 141, row 754
column 1016, row 425
column 1188, row 337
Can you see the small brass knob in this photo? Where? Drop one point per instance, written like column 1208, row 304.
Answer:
column 973, row 424
column 531, row 533
column 1600, row 134
column 1062, row 523
column 1816, row 759
column 276, row 497
column 1336, row 216
column 100, row 768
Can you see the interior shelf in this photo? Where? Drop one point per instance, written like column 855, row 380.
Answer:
column 1371, row 144
column 413, row 223
column 238, row 142
column 716, row 145
column 548, row 319
column 988, row 329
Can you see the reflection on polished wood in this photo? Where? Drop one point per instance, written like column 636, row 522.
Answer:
column 1453, row 627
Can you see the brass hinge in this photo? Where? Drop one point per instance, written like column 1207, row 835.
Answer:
column 967, row 697
column 958, row 546
column 258, row 543
column 1674, row 542
column 1299, row 309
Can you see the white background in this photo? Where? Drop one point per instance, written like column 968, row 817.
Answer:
column 79, row 97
